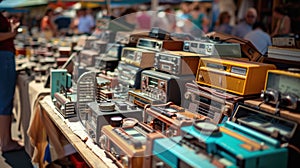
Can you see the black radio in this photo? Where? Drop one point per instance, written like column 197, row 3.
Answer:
column 164, row 87
column 177, row 62
column 109, row 113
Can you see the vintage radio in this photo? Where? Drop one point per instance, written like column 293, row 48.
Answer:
column 185, row 152
column 86, row 58
column 286, row 41
column 129, row 145
column 168, row 118
column 102, row 89
column 159, row 45
column 59, row 79
column 105, row 113
column 138, row 57
column 64, row 51
column 164, row 87
column 239, row 77
column 129, row 75
column 213, row 48
column 282, row 88
column 252, row 139
column 65, row 105
column 248, row 49
column 78, row 70
column 140, row 99
column 209, row 102
column 89, row 42
column 177, row 62
column 111, row 76
column 104, row 63
column 99, row 46
column 130, row 38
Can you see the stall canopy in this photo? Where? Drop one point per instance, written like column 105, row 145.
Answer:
column 21, row 3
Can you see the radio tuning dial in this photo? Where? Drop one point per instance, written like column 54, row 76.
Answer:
column 162, row 84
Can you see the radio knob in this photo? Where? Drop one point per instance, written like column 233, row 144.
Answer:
column 159, row 165
column 162, row 84
column 226, row 110
column 125, row 161
column 103, row 141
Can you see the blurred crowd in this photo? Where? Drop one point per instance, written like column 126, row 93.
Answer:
column 194, row 18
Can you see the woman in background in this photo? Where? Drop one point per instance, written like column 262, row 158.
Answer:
column 8, row 77
column 283, row 25
column 222, row 24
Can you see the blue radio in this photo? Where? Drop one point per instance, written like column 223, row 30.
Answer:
column 252, row 139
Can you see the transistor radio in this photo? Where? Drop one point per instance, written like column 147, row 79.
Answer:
column 247, row 48
column 140, row 99
column 101, row 87
column 177, row 62
column 89, row 42
column 130, row 38
column 111, row 76
column 286, row 41
column 159, row 45
column 129, row 146
column 87, row 57
column 213, row 48
column 202, row 100
column 252, row 139
column 129, row 75
column 59, row 79
column 103, row 113
column 238, row 77
column 282, row 88
column 164, row 87
column 138, row 57
column 65, row 105
column 168, row 118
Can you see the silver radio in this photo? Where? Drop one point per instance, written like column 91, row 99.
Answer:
column 129, row 75
column 163, row 87
column 212, row 48
column 177, row 62
column 138, row 57
column 159, row 45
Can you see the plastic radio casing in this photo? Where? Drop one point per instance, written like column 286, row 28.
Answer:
column 238, row 77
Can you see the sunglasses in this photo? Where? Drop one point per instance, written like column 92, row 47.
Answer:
column 251, row 16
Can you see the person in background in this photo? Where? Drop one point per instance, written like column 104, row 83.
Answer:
column 86, row 22
column 245, row 26
column 62, row 22
column 283, row 25
column 222, row 24
column 8, row 77
column 198, row 18
column 259, row 38
column 143, row 18
column 47, row 25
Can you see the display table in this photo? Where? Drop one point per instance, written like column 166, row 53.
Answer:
column 73, row 131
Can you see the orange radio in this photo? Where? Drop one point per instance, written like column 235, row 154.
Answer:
column 238, row 77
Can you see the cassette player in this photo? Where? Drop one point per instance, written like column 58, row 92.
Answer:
column 238, row 77
column 164, row 87
column 138, row 57
column 209, row 102
column 282, row 88
column 129, row 146
column 213, row 48
column 65, row 105
column 177, row 62
column 159, row 45
column 140, row 99
column 168, row 118
column 106, row 113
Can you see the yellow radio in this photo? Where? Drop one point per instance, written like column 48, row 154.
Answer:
column 236, row 76
column 138, row 57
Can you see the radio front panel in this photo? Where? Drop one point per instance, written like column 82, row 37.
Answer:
column 177, row 62
column 213, row 48
column 138, row 57
column 101, row 114
column 129, row 75
column 159, row 45
column 238, row 77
